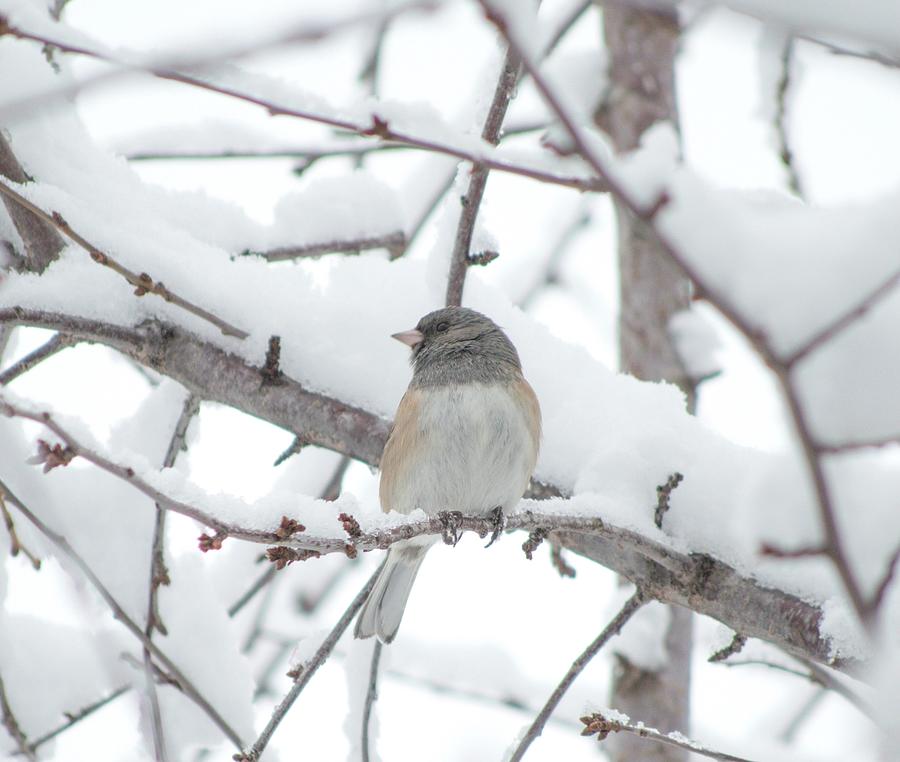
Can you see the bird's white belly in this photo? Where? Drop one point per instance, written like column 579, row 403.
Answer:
column 475, row 452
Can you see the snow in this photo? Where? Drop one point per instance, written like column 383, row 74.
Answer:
column 870, row 21
column 787, row 268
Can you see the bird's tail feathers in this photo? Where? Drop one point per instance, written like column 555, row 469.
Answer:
column 383, row 609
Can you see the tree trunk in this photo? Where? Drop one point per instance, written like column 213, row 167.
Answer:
column 642, row 45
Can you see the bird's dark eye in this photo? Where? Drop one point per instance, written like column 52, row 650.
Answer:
column 442, row 326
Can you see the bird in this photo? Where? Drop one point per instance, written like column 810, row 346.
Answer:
column 465, row 438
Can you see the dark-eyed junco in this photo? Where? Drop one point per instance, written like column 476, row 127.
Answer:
column 465, row 438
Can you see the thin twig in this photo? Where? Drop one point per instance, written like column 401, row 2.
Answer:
column 142, row 282
column 57, row 343
column 781, row 128
column 831, row 330
column 380, row 539
column 331, row 491
column 264, row 579
column 159, row 574
column 73, row 718
column 394, row 242
column 305, row 672
column 187, row 686
column 471, row 201
column 663, row 493
column 303, row 33
column 15, row 544
column 603, row 726
column 378, row 127
column 371, row 697
column 12, row 725
column 737, row 643
column 613, row 628
column 555, row 253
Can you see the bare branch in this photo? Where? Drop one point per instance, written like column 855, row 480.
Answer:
column 827, row 333
column 159, row 573
column 186, row 685
column 603, row 726
column 42, row 243
column 143, row 283
column 371, row 697
column 12, row 725
column 378, row 127
column 59, row 342
column 735, row 646
column 613, row 628
column 219, row 376
column 303, row 674
column 663, row 492
column 15, row 545
column 471, row 201
column 394, row 242
column 781, row 130
column 330, row 492
column 72, row 718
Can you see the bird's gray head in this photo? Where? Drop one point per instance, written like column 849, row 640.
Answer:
column 455, row 345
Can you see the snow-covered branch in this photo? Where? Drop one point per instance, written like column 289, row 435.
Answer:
column 699, row 582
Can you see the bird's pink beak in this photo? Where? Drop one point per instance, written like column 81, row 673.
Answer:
column 410, row 338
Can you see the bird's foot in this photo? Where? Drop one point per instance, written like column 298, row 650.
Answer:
column 499, row 521
column 451, row 523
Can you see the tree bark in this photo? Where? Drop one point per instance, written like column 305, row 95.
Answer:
column 642, row 45
column 42, row 242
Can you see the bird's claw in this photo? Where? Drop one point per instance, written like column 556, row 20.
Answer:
column 499, row 521
column 451, row 523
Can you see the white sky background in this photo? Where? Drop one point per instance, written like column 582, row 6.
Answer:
column 473, row 620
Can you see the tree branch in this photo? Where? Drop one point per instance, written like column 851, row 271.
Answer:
column 703, row 584
column 303, row 674
column 371, row 696
column 186, row 685
column 394, row 242
column 42, row 243
column 59, row 342
column 613, row 628
column 12, row 725
column 73, row 718
column 471, row 202
column 378, row 127
column 143, row 283
column 603, row 726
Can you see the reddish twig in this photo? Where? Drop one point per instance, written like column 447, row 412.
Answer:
column 142, row 282
column 835, row 327
column 377, row 128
